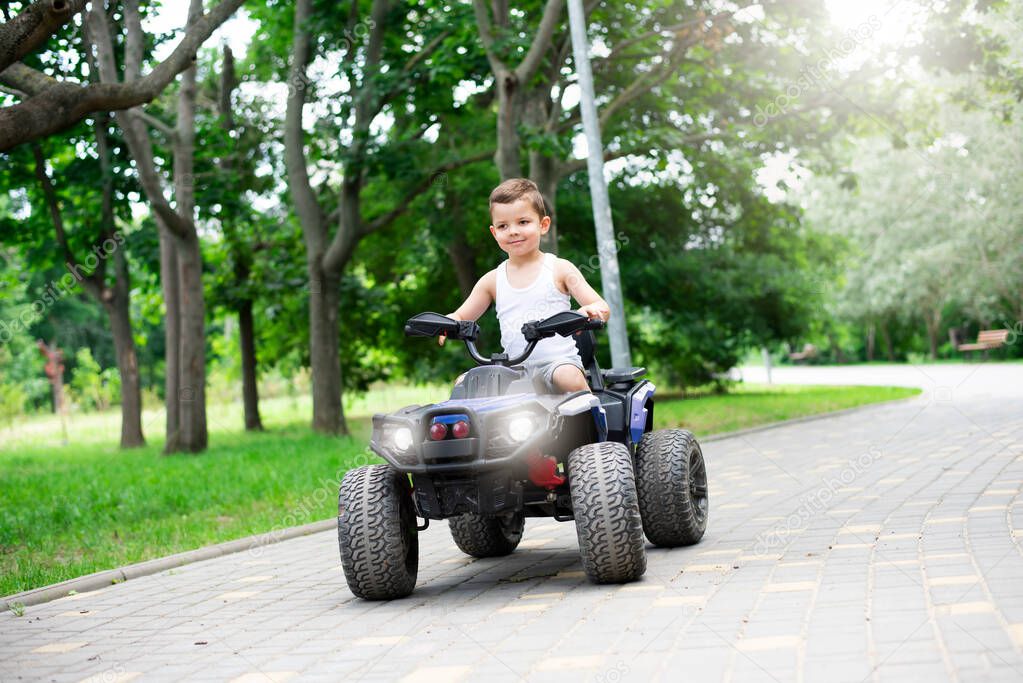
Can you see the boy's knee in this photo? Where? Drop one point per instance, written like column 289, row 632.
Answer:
column 568, row 378
column 458, row 380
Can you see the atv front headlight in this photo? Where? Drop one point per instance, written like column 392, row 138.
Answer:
column 521, row 427
column 402, row 438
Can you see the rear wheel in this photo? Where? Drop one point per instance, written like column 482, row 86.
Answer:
column 672, row 480
column 606, row 509
column 376, row 532
column 481, row 536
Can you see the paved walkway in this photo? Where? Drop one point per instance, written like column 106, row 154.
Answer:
column 882, row 545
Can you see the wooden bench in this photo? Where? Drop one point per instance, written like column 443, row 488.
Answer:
column 987, row 339
column 809, row 351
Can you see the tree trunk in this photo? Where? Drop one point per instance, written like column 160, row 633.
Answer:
column 933, row 322
column 325, row 359
column 507, row 155
column 242, row 259
column 871, row 338
column 117, row 303
column 250, row 390
column 172, row 335
column 463, row 258
column 118, row 310
column 192, row 429
column 193, row 435
column 543, row 168
column 836, row 349
column 886, row 337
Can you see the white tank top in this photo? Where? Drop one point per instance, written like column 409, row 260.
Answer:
column 537, row 301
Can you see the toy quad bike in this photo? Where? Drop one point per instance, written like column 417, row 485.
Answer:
column 501, row 449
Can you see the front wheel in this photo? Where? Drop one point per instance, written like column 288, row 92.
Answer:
column 376, row 533
column 606, row 509
column 672, row 478
column 481, row 536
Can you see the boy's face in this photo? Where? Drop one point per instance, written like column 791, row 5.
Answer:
column 517, row 227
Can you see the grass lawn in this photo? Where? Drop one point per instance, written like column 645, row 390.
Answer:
column 69, row 510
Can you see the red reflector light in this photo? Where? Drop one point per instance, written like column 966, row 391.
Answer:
column 438, row 431
column 460, row 429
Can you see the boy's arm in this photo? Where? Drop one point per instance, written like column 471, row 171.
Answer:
column 478, row 302
column 591, row 304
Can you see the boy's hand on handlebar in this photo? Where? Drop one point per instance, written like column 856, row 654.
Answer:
column 595, row 312
column 443, row 337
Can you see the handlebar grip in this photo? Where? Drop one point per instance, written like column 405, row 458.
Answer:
column 595, row 325
column 412, row 332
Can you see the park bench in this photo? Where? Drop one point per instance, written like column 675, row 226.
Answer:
column 986, row 339
column 809, row 351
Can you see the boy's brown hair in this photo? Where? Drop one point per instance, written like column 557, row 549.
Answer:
column 514, row 189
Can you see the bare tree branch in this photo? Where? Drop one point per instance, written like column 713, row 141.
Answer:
column 60, row 105
column 93, row 282
column 33, row 26
column 531, row 62
column 134, row 128
column 166, row 129
column 487, row 36
column 309, row 211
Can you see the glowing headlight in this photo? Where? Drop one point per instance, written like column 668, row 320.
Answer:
column 402, row 438
column 520, row 428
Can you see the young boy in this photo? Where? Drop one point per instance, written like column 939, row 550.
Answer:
column 532, row 285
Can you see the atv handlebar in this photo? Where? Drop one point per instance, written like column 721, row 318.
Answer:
column 565, row 323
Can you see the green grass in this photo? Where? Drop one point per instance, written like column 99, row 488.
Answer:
column 749, row 405
column 76, row 509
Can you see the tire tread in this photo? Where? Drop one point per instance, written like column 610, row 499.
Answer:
column 662, row 474
column 606, row 509
column 376, row 542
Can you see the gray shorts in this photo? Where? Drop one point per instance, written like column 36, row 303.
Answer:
column 544, row 369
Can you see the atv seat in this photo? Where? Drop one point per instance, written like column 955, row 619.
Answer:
column 616, row 375
column 586, row 343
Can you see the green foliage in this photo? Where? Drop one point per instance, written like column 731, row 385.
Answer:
column 12, row 402
column 707, row 273
column 92, row 387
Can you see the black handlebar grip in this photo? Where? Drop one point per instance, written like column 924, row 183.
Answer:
column 413, row 332
column 594, row 325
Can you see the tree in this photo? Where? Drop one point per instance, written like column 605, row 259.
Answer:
column 382, row 76
column 180, row 255
column 249, row 256
column 49, row 106
column 73, row 226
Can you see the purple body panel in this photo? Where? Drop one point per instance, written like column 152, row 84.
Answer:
column 638, row 411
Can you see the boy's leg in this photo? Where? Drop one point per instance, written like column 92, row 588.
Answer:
column 567, row 377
